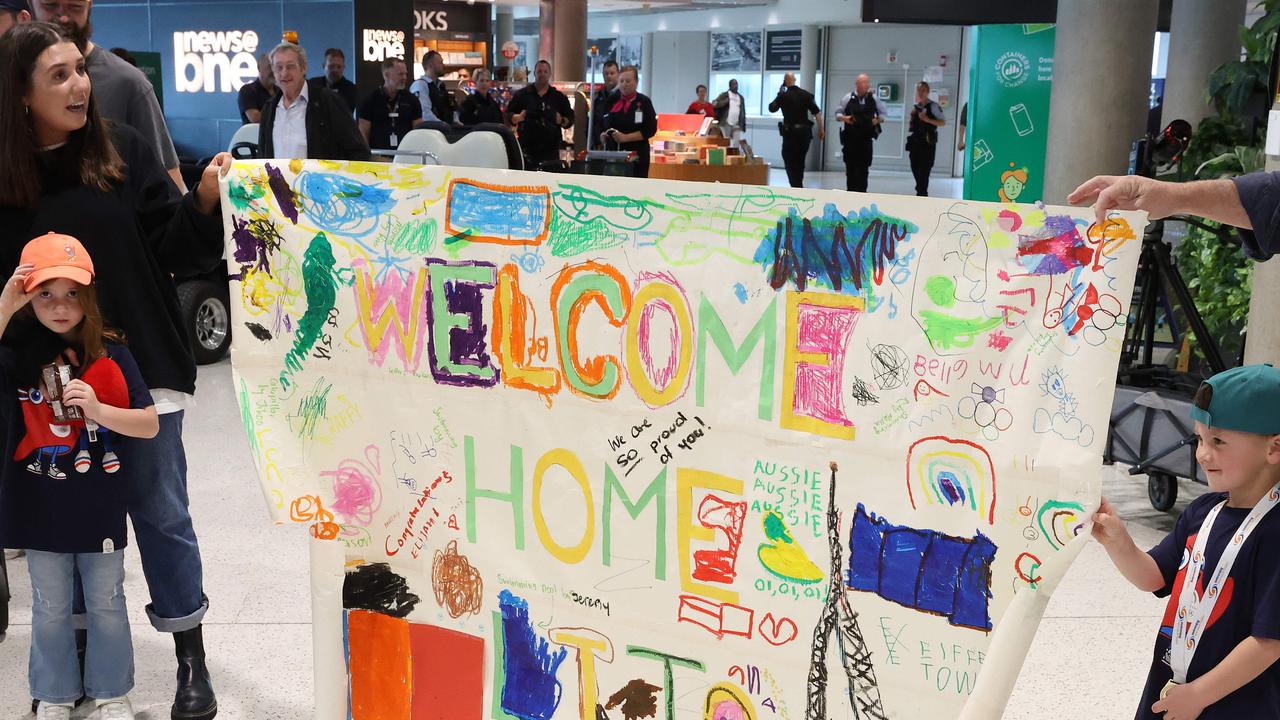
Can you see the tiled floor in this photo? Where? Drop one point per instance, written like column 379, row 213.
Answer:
column 1090, row 656
column 894, row 183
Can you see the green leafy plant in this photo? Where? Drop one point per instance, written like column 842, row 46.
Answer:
column 1226, row 145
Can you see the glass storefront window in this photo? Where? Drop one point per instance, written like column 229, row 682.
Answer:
column 758, row 87
column 748, row 86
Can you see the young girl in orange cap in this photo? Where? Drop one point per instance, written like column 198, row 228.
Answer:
column 71, row 382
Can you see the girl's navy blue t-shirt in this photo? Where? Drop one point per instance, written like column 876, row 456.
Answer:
column 1248, row 605
column 80, row 506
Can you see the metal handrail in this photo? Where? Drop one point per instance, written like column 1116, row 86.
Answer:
column 421, row 154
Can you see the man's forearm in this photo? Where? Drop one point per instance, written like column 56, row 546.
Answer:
column 1247, row 661
column 1213, row 199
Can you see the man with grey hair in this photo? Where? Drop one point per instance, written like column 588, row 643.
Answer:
column 302, row 123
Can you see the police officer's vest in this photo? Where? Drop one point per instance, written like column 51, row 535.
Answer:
column 862, row 110
column 441, row 101
column 923, row 130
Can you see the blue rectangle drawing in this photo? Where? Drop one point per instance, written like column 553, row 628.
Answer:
column 922, row 569
column 480, row 212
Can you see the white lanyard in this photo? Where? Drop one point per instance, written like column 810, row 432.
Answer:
column 1194, row 611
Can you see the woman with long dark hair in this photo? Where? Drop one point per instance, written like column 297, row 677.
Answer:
column 66, row 171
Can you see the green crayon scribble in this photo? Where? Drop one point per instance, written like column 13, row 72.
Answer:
column 946, row 331
column 320, row 282
column 941, row 290
column 244, row 194
column 246, row 418
column 685, row 229
column 415, row 237
column 313, row 407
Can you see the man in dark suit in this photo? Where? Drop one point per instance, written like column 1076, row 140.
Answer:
column 305, row 122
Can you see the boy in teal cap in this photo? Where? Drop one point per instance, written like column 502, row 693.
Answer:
column 1215, row 656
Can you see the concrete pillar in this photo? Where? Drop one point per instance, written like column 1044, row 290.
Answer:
column 807, row 78
column 1262, row 345
column 568, row 52
column 1203, row 34
column 1101, row 79
column 504, row 31
column 546, row 33
column 645, row 86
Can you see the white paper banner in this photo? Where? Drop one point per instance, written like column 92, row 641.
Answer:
column 575, row 434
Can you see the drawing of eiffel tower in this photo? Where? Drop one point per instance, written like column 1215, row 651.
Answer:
column 839, row 618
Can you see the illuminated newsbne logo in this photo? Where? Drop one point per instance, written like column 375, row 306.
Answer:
column 214, row 61
column 382, row 44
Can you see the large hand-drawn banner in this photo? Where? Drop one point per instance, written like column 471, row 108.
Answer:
column 575, row 434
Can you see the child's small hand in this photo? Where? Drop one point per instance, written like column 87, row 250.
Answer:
column 80, row 394
column 15, row 296
column 1108, row 526
column 1182, row 703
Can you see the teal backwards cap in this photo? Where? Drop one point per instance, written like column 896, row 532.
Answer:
column 1244, row 398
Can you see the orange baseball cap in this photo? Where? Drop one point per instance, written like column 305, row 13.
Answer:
column 56, row 256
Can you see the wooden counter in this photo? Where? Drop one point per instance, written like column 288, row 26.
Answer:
column 736, row 174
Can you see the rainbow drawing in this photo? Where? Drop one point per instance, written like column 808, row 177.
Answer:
column 953, row 472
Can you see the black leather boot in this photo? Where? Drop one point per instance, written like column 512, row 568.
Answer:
column 194, row 699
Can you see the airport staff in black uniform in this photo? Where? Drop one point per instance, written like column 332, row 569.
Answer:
column 922, row 143
column 390, row 112
column 796, row 104
column 540, row 113
column 860, row 115
column 630, row 121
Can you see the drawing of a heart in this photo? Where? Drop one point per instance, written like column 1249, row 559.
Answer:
column 778, row 631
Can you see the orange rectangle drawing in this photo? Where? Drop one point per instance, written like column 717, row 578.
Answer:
column 379, row 666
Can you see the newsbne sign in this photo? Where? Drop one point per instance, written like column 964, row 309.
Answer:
column 384, row 29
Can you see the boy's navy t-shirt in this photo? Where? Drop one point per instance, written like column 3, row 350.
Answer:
column 83, row 508
column 1249, row 605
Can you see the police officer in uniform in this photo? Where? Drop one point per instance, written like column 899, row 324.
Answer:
column 630, row 121
column 435, row 99
column 922, row 143
column 796, row 104
column 859, row 116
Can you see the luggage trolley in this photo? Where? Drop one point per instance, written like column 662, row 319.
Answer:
column 1150, row 431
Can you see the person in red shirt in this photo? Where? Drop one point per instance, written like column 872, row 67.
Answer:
column 701, row 106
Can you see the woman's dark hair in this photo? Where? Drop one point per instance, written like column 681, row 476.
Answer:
column 100, row 165
column 700, row 87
